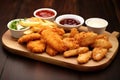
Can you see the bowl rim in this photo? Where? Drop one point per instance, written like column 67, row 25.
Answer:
column 10, row 22
column 105, row 21
column 40, row 9
column 74, row 16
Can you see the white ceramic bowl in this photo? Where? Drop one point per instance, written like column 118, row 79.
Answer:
column 69, row 16
column 16, row 33
column 97, row 25
column 45, row 13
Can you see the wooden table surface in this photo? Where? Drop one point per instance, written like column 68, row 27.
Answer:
column 14, row 67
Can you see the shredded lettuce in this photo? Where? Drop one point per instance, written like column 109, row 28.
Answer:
column 15, row 26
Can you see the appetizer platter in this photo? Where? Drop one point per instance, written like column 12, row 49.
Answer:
column 78, row 49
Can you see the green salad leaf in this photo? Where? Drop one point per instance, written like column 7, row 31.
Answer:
column 14, row 25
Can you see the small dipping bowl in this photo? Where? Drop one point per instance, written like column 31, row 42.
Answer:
column 45, row 13
column 69, row 21
column 97, row 25
column 16, row 33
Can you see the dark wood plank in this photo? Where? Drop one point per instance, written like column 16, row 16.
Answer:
column 116, row 3
column 7, row 12
column 20, row 68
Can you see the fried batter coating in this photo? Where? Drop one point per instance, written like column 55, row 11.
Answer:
column 71, row 43
column 36, row 46
column 99, row 53
column 75, row 52
column 84, row 58
column 54, row 40
column 85, row 38
column 70, row 53
column 82, row 50
column 29, row 37
column 73, row 32
column 50, row 51
column 102, row 36
column 59, row 31
column 102, row 43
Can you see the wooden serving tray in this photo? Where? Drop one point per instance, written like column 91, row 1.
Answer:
column 12, row 45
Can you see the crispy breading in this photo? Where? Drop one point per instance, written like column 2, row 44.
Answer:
column 85, row 38
column 71, row 43
column 37, row 46
column 50, row 51
column 75, row 52
column 84, row 58
column 73, row 32
column 102, row 43
column 29, row 37
column 54, row 40
column 99, row 53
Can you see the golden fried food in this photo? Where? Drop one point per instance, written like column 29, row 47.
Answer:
column 50, row 51
column 71, row 43
column 82, row 50
column 29, row 37
column 54, row 40
column 85, row 38
column 75, row 52
column 59, row 31
column 102, row 43
column 73, row 32
column 36, row 46
column 70, row 53
column 102, row 36
column 84, row 58
column 99, row 53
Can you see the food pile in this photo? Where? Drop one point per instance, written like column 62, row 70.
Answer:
column 45, row 36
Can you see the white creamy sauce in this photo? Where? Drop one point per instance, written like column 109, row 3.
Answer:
column 97, row 23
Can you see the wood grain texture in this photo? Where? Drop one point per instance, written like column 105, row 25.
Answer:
column 59, row 59
column 13, row 67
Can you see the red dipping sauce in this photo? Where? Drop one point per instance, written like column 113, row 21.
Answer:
column 69, row 21
column 45, row 13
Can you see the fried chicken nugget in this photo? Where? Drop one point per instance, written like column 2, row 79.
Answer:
column 59, row 31
column 103, row 36
column 50, row 51
column 54, row 40
column 71, row 43
column 75, row 52
column 84, row 58
column 99, row 53
column 29, row 37
column 36, row 46
column 85, row 38
column 73, row 32
column 102, row 43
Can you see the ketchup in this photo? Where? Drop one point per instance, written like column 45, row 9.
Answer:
column 69, row 21
column 45, row 13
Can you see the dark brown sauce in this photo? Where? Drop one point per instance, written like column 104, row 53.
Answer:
column 69, row 21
